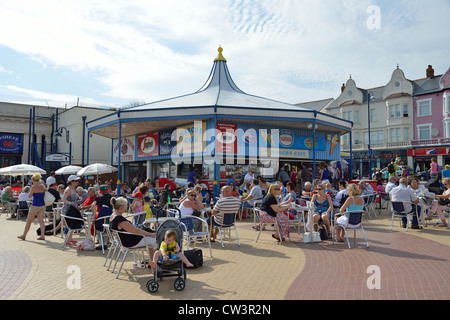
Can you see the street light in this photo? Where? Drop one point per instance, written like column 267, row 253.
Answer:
column 58, row 134
column 369, row 96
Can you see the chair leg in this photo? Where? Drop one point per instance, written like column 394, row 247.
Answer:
column 365, row 238
column 346, row 237
column 237, row 237
column 121, row 265
column 259, row 232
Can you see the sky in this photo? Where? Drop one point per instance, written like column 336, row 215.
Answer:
column 115, row 53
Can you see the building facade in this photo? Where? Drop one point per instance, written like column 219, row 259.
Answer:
column 28, row 134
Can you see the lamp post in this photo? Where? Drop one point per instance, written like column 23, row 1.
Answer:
column 368, row 123
column 58, row 134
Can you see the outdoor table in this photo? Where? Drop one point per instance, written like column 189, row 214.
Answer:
column 57, row 213
column 158, row 220
column 310, row 219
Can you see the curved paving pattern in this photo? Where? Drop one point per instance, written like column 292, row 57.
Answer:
column 14, row 268
column 410, row 267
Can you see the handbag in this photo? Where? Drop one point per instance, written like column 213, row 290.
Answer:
column 444, row 202
column 48, row 199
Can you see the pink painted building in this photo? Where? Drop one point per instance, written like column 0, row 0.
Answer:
column 431, row 120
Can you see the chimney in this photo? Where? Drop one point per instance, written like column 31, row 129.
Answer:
column 343, row 88
column 430, row 72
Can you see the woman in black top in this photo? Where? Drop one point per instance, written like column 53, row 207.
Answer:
column 273, row 211
column 119, row 223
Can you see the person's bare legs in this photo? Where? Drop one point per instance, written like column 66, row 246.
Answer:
column 30, row 218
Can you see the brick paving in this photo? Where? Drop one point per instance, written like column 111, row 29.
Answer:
column 411, row 266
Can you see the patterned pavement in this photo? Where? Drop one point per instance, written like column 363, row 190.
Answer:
column 397, row 266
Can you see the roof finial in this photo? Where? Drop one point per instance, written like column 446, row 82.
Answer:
column 220, row 56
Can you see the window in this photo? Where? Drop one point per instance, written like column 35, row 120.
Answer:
column 391, row 112
column 405, row 111
column 424, row 132
column 356, row 116
column 397, row 111
column 405, row 134
column 424, row 108
column 373, row 115
column 356, row 138
column 446, row 100
column 375, row 136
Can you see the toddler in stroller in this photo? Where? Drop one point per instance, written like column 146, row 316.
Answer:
column 169, row 260
column 169, row 249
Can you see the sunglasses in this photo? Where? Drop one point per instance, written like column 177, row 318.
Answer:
column 276, row 189
column 192, row 195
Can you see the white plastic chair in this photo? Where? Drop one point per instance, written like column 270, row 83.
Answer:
column 124, row 250
column 259, row 212
column 64, row 219
column 189, row 232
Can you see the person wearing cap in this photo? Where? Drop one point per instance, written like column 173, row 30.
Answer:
column 51, row 179
column 103, row 198
column 446, row 172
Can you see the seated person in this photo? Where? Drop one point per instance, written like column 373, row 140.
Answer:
column 323, row 207
column 169, row 249
column 226, row 204
column 409, row 199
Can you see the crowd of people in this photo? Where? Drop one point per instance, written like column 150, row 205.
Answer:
column 328, row 192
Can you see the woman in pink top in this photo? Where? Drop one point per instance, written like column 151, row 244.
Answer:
column 434, row 170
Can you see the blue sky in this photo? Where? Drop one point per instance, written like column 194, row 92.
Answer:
column 113, row 53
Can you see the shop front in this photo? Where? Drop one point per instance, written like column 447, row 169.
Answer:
column 362, row 161
column 11, row 149
column 422, row 157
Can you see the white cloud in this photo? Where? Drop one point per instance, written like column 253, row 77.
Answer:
column 289, row 50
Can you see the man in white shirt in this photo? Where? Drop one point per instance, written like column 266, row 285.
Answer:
column 51, row 179
column 391, row 184
column 249, row 177
column 255, row 194
column 403, row 194
column 366, row 189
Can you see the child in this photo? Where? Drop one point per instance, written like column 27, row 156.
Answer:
column 147, row 207
column 169, row 249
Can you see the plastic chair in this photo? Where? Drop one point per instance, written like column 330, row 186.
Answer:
column 369, row 200
column 112, row 248
column 103, row 218
column 259, row 212
column 354, row 222
column 398, row 209
column 125, row 250
column 64, row 222
column 189, row 232
column 228, row 222
column 22, row 206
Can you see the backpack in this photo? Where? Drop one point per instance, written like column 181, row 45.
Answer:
column 391, row 168
column 323, row 233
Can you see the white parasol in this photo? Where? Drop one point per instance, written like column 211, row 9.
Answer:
column 68, row 170
column 21, row 170
column 97, row 169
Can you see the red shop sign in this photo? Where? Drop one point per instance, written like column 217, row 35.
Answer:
column 429, row 152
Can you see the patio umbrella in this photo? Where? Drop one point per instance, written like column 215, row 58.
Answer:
column 21, row 170
column 68, row 170
column 97, row 169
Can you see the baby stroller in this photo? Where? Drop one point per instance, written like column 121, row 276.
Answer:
column 170, row 268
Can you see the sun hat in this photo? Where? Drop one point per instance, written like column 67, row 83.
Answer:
column 103, row 188
column 73, row 178
column 447, row 166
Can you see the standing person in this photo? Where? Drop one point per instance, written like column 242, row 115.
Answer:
column 69, row 198
column 191, row 177
column 446, row 172
column 434, row 168
column 37, row 207
column 51, row 179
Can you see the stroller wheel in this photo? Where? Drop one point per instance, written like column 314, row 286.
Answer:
column 152, row 286
column 179, row 284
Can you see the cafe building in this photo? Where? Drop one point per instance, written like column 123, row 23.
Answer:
column 219, row 131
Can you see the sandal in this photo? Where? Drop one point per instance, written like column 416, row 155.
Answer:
column 276, row 238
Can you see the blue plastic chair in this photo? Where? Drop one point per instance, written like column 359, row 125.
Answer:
column 354, row 222
column 398, row 210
